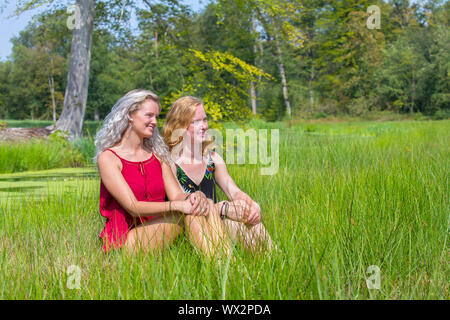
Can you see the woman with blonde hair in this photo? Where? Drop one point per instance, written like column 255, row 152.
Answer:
column 198, row 168
column 133, row 163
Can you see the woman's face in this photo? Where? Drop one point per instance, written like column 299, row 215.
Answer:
column 144, row 120
column 199, row 125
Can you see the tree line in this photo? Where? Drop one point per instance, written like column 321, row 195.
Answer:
column 269, row 58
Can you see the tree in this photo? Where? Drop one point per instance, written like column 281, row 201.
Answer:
column 160, row 47
column 223, row 101
column 334, row 65
column 72, row 116
column 277, row 18
column 49, row 36
column 435, row 84
column 230, row 26
column 38, row 66
column 111, row 74
column 398, row 76
column 5, row 71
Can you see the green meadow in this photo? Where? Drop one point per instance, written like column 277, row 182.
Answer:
column 347, row 196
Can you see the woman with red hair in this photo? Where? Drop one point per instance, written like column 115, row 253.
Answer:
column 198, row 168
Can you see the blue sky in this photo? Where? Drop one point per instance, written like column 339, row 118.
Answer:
column 11, row 26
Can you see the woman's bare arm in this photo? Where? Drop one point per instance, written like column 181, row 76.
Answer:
column 225, row 182
column 175, row 191
column 173, row 188
column 251, row 212
column 110, row 172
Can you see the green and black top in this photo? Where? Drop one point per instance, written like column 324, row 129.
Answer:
column 207, row 185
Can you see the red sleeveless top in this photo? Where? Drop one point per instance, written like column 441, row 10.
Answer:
column 146, row 181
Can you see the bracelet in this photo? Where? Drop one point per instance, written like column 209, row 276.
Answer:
column 226, row 209
column 223, row 216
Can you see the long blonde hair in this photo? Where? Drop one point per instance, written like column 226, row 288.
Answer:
column 117, row 121
column 179, row 117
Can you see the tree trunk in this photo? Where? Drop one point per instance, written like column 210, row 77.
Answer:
column 72, row 115
column 283, row 75
column 156, row 44
column 261, row 57
column 253, row 97
column 411, row 109
column 311, row 93
column 252, row 87
column 252, row 84
column 311, row 79
column 96, row 115
column 260, row 66
column 51, row 83
column 5, row 111
column 272, row 30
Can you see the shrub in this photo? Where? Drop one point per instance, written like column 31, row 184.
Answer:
column 35, row 154
column 441, row 114
column 320, row 115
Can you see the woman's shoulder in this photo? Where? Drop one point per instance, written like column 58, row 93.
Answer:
column 169, row 163
column 109, row 153
column 158, row 157
column 108, row 158
column 216, row 158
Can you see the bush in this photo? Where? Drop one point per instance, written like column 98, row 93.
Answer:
column 86, row 147
column 441, row 114
column 320, row 115
column 55, row 152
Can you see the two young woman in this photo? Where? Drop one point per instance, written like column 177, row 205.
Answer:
column 137, row 174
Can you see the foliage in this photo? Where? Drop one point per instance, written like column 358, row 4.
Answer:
column 39, row 155
column 334, row 64
column 42, row 154
column 223, row 102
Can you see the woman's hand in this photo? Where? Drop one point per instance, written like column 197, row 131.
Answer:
column 254, row 214
column 238, row 210
column 242, row 211
column 199, row 205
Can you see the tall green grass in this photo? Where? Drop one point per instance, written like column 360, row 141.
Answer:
column 347, row 196
column 39, row 155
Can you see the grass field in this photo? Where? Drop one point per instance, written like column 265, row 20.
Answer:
column 347, row 196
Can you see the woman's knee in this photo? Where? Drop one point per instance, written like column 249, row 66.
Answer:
column 259, row 229
column 195, row 223
column 152, row 236
column 193, row 218
column 131, row 244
